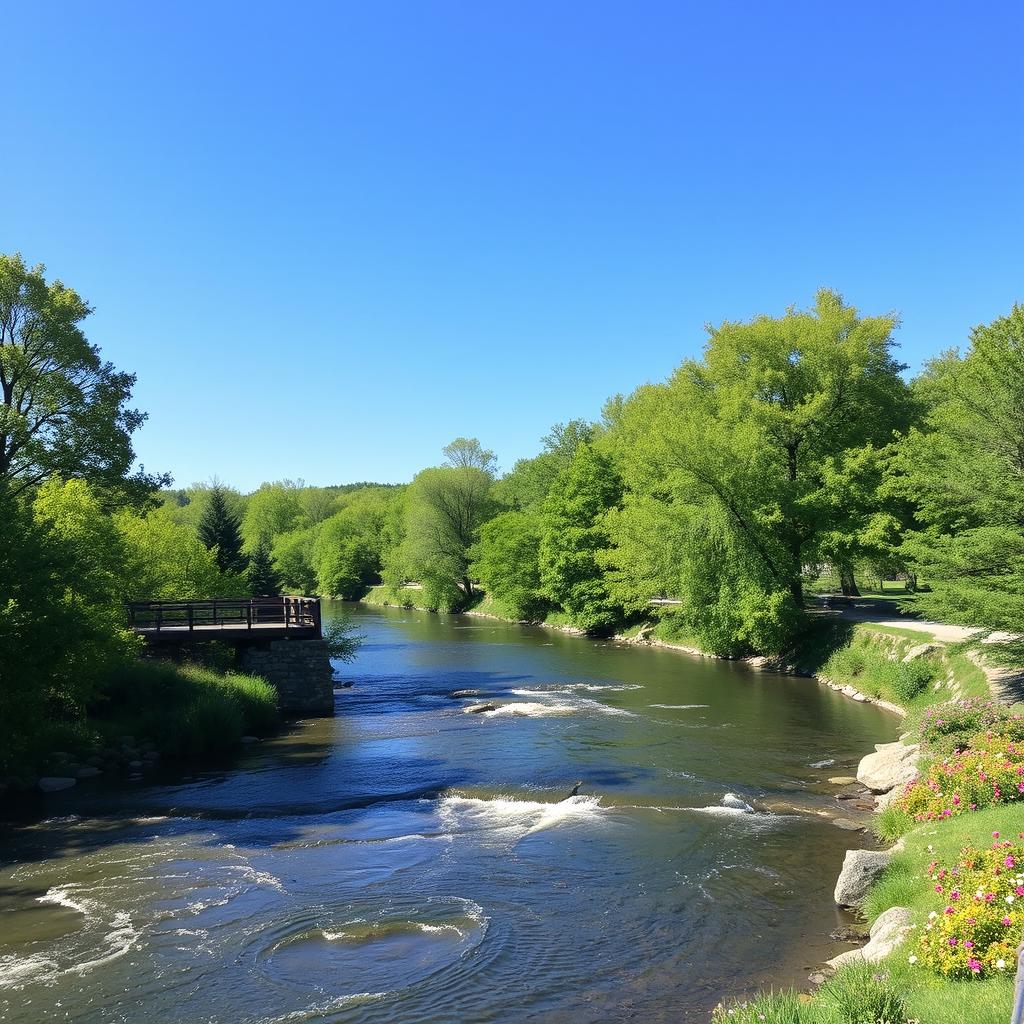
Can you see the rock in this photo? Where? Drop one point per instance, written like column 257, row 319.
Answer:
column 476, row 709
column 96, row 761
column 848, row 824
column 861, row 699
column 860, row 869
column 920, row 651
column 55, row 783
column 347, row 684
column 88, row 772
column 459, row 694
column 817, row 978
column 892, row 764
column 842, row 780
column 888, row 933
column 154, row 755
column 250, row 739
column 884, row 799
column 849, row 934
column 135, row 765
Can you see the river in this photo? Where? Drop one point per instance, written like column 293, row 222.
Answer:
column 410, row 862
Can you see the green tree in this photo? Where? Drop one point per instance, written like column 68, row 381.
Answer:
column 293, row 556
column 506, row 559
column 531, row 479
column 166, row 561
column 573, row 539
column 219, row 531
column 63, row 411
column 270, row 511
column 964, row 468
column 264, row 580
column 445, row 507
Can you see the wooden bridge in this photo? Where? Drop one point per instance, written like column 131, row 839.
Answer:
column 253, row 619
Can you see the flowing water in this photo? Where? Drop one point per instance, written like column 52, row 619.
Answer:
column 410, row 862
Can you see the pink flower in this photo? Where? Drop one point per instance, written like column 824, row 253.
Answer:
column 1007, row 922
column 975, row 965
column 995, row 835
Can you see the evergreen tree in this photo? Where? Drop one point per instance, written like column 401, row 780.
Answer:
column 219, row 530
column 264, row 580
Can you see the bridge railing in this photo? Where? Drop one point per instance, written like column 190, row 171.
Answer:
column 226, row 613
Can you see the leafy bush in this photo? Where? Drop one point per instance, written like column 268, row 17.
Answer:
column 860, row 995
column 212, row 721
column 976, row 925
column 873, row 671
column 990, row 771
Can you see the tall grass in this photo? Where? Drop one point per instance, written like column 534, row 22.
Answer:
column 186, row 710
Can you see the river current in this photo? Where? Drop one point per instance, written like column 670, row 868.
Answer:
column 408, row 861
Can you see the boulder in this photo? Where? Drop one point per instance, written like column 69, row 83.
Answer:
column 459, row 694
column 892, row 764
column 920, row 651
column 55, row 783
column 888, row 932
column 476, row 709
column 848, row 824
column 88, row 771
column 860, row 869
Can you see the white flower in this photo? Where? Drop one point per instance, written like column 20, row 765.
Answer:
column 911, row 959
column 1001, row 965
column 1009, row 899
column 980, row 893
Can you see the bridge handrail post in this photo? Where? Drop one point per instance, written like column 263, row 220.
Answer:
column 248, row 615
column 1017, row 1017
column 318, row 616
column 191, row 617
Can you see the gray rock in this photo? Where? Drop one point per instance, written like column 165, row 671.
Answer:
column 842, row 780
column 817, row 978
column 55, row 783
column 250, row 739
column 848, row 824
column 476, row 709
column 88, row 772
column 860, row 869
column 135, row 765
column 458, row 694
column 920, row 651
column 888, row 933
column 891, row 765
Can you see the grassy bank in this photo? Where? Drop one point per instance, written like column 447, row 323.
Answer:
column 162, row 709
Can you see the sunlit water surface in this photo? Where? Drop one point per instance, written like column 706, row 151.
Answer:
column 408, row 862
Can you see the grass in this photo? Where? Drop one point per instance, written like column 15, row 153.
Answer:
column 188, row 711
column 404, row 598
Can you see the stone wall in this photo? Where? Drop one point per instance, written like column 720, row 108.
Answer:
column 300, row 671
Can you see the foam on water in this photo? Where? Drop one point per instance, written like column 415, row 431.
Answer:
column 522, row 817
column 531, row 709
column 678, row 707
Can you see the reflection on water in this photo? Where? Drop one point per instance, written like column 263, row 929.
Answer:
column 408, row 861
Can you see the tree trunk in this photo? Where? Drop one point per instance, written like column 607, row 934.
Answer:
column 847, row 583
column 467, row 586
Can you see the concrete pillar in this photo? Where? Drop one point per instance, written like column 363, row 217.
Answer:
column 300, row 671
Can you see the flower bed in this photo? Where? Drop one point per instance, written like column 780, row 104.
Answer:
column 977, row 922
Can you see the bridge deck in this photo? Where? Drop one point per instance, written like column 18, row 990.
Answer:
column 258, row 618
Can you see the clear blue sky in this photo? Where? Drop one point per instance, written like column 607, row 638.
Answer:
column 331, row 237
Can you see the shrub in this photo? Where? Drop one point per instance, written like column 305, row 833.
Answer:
column 973, row 778
column 911, row 678
column 212, row 722
column 975, row 926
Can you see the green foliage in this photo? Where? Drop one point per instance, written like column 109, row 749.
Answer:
column 964, row 469
column 274, row 509
column 506, row 561
column 343, row 642
column 573, row 538
column 218, row 529
column 531, row 479
column 54, row 585
column 187, row 710
column 862, row 995
column 293, row 557
column 444, row 509
column 877, row 670
column 771, row 1008
column 165, row 561
column 63, row 411
column 263, row 578
column 897, row 887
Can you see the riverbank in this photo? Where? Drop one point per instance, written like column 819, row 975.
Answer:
column 148, row 712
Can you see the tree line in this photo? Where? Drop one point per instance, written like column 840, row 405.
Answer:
column 793, row 449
